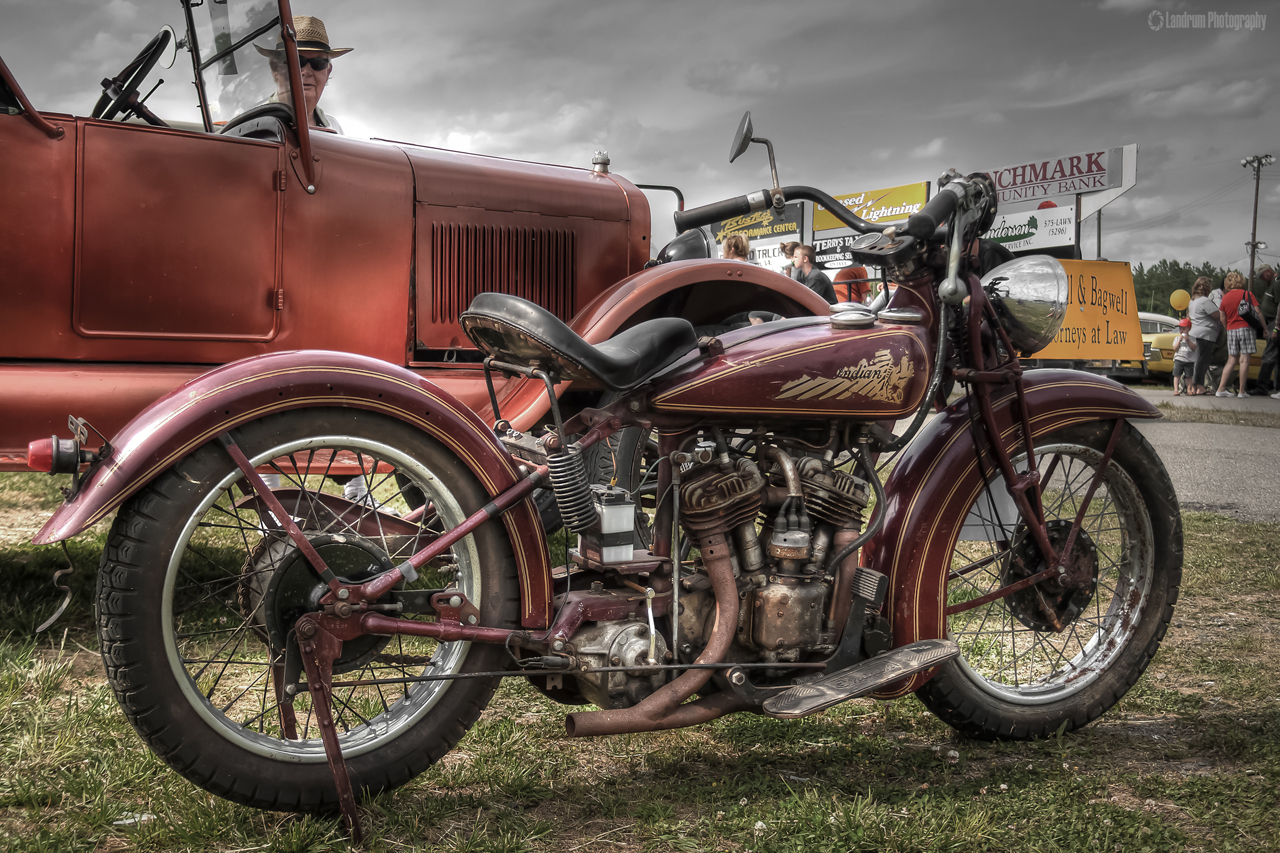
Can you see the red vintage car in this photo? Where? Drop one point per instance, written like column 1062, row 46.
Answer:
column 140, row 252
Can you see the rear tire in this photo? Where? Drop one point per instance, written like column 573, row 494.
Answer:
column 188, row 590
column 1016, row 677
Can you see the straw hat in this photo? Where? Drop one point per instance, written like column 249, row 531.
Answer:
column 312, row 38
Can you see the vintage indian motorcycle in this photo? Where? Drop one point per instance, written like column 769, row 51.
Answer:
column 297, row 646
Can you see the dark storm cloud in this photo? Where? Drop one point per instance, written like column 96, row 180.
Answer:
column 853, row 95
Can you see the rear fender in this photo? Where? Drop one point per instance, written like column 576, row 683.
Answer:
column 704, row 292
column 936, row 478
column 196, row 412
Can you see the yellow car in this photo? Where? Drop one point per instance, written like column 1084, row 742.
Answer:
column 1158, row 332
column 1157, row 345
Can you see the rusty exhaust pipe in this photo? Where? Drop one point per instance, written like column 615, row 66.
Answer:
column 663, row 709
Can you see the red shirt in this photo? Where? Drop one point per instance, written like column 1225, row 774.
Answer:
column 1230, row 302
column 854, row 278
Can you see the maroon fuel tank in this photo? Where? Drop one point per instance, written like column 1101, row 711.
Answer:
column 805, row 368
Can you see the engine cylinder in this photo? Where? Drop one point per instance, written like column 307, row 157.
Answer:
column 714, row 501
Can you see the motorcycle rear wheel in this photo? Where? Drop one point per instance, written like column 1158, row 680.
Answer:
column 1019, row 679
column 195, row 591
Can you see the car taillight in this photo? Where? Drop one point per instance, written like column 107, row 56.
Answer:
column 54, row 455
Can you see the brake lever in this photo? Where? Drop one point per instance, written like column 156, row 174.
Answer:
column 951, row 291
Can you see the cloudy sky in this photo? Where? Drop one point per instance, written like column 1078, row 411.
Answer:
column 854, row 95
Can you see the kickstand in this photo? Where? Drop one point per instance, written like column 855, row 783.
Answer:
column 319, row 650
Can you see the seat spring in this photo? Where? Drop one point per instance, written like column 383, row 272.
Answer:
column 573, row 493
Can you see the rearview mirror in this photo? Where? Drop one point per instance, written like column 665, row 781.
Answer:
column 742, row 138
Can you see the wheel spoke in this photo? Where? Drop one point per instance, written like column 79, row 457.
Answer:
column 1011, row 657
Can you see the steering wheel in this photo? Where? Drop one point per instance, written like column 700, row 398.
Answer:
column 120, row 93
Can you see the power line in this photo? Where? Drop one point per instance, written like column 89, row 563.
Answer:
column 1170, row 216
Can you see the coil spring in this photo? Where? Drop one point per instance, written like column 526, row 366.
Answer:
column 572, row 490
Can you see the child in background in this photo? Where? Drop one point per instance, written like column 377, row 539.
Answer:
column 1184, row 357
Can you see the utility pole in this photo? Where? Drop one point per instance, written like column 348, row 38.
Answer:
column 1256, row 162
column 1099, row 235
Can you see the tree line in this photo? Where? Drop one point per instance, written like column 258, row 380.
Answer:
column 1153, row 285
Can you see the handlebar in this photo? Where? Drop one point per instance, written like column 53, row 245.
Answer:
column 922, row 225
column 938, row 209
column 719, row 211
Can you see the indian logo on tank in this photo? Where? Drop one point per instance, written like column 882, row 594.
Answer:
column 877, row 379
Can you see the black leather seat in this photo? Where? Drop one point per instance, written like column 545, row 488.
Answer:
column 519, row 332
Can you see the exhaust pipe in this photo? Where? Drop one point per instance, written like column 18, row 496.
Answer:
column 663, row 709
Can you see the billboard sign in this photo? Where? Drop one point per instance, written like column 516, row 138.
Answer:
column 764, row 225
column 1087, row 172
column 1028, row 230
column 878, row 206
column 765, row 231
column 834, row 253
column 1102, row 314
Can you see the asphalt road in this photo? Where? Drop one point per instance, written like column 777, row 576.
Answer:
column 1230, row 470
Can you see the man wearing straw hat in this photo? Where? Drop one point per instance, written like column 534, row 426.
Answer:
column 315, row 55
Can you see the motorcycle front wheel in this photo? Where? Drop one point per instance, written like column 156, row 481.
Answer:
column 1058, row 655
column 199, row 588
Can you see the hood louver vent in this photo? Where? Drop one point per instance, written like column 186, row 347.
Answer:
column 536, row 264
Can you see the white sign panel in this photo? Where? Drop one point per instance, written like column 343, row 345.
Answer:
column 1093, row 202
column 1087, row 172
column 768, row 255
column 1027, row 230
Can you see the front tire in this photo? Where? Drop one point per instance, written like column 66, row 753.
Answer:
column 196, row 590
column 1017, row 676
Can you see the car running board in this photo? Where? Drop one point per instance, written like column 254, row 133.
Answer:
column 860, row 679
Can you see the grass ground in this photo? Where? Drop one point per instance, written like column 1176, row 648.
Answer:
column 1189, row 760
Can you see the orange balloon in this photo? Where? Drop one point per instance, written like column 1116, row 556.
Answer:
column 1179, row 300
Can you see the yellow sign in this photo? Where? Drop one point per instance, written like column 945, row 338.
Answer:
column 762, row 225
column 889, row 205
column 1102, row 314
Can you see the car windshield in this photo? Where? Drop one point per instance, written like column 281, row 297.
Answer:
column 242, row 79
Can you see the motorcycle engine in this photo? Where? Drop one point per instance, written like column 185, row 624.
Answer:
column 807, row 509
column 782, row 517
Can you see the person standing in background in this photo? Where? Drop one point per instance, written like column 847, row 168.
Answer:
column 735, row 248
column 1240, row 335
column 792, row 269
column 812, row 277
column 1204, row 328
column 1184, row 357
column 1269, row 372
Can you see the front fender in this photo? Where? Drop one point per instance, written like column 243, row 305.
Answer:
column 703, row 292
column 194, row 413
column 937, row 477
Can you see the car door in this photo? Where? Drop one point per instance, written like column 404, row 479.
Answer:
column 177, row 235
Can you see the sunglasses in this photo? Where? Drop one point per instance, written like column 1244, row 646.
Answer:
column 317, row 63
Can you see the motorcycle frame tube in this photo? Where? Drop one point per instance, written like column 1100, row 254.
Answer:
column 938, row 475
column 195, row 413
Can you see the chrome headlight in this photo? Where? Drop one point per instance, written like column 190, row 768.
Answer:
column 1030, row 298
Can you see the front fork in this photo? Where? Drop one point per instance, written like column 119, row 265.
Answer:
column 1024, row 488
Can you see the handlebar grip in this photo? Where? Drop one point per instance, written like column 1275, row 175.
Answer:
column 721, row 210
column 922, row 225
